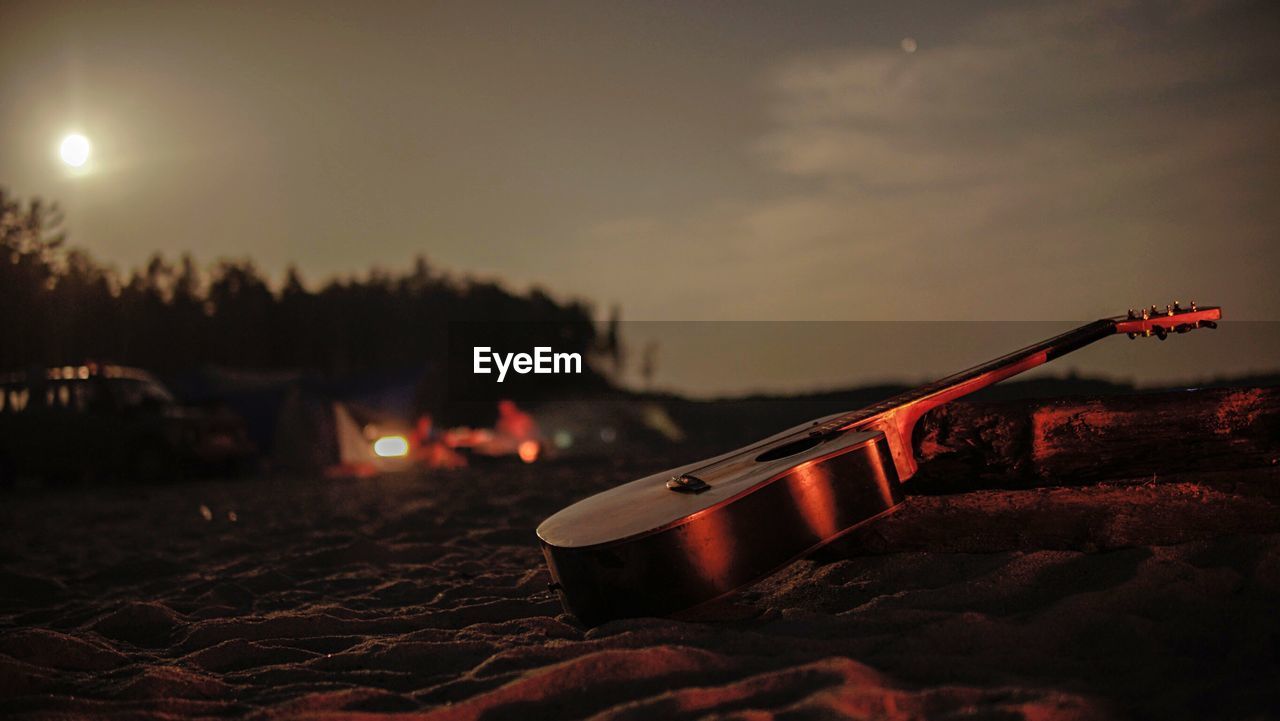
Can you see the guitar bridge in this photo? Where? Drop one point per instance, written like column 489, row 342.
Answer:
column 687, row 484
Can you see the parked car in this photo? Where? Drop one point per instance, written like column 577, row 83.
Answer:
column 97, row 420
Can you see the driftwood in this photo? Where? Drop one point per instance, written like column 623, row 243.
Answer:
column 965, row 446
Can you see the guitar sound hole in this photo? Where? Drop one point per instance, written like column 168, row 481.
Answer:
column 788, row 449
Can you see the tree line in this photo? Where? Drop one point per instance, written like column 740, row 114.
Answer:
column 60, row 306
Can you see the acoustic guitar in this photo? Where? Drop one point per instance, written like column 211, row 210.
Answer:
column 683, row 537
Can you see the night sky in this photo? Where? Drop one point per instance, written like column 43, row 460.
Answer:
column 735, row 161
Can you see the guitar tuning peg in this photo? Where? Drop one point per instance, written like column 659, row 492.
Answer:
column 1193, row 306
column 1168, row 309
column 1177, row 307
column 1161, row 333
column 1154, row 310
column 1146, row 314
column 1208, row 324
column 1131, row 315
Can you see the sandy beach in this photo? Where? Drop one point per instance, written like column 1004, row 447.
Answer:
column 312, row 312
column 309, row 598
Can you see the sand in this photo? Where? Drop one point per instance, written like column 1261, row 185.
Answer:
column 426, row 594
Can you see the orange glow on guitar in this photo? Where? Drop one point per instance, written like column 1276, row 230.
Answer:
column 689, row 535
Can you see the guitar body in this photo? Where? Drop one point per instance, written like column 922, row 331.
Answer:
column 683, row 537
column 644, row 549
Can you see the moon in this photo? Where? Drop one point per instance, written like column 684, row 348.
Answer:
column 74, row 150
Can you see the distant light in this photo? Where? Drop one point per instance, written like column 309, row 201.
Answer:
column 528, row 451
column 910, row 45
column 74, row 150
column 391, row 447
column 562, row 439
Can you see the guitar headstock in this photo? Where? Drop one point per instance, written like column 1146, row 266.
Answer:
column 1173, row 318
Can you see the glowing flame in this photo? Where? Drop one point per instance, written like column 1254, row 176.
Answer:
column 391, row 447
column 528, row 451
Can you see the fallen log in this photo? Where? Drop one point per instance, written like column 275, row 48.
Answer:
column 1075, row 441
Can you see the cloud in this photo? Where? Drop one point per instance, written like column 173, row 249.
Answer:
column 1023, row 89
column 1103, row 155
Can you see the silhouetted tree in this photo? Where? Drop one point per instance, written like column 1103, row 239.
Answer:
column 29, row 242
column 58, row 306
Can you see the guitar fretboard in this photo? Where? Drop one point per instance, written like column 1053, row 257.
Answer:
column 975, row 378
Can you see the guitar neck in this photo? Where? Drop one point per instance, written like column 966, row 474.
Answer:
column 897, row 416
column 944, row 390
column 927, row 397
